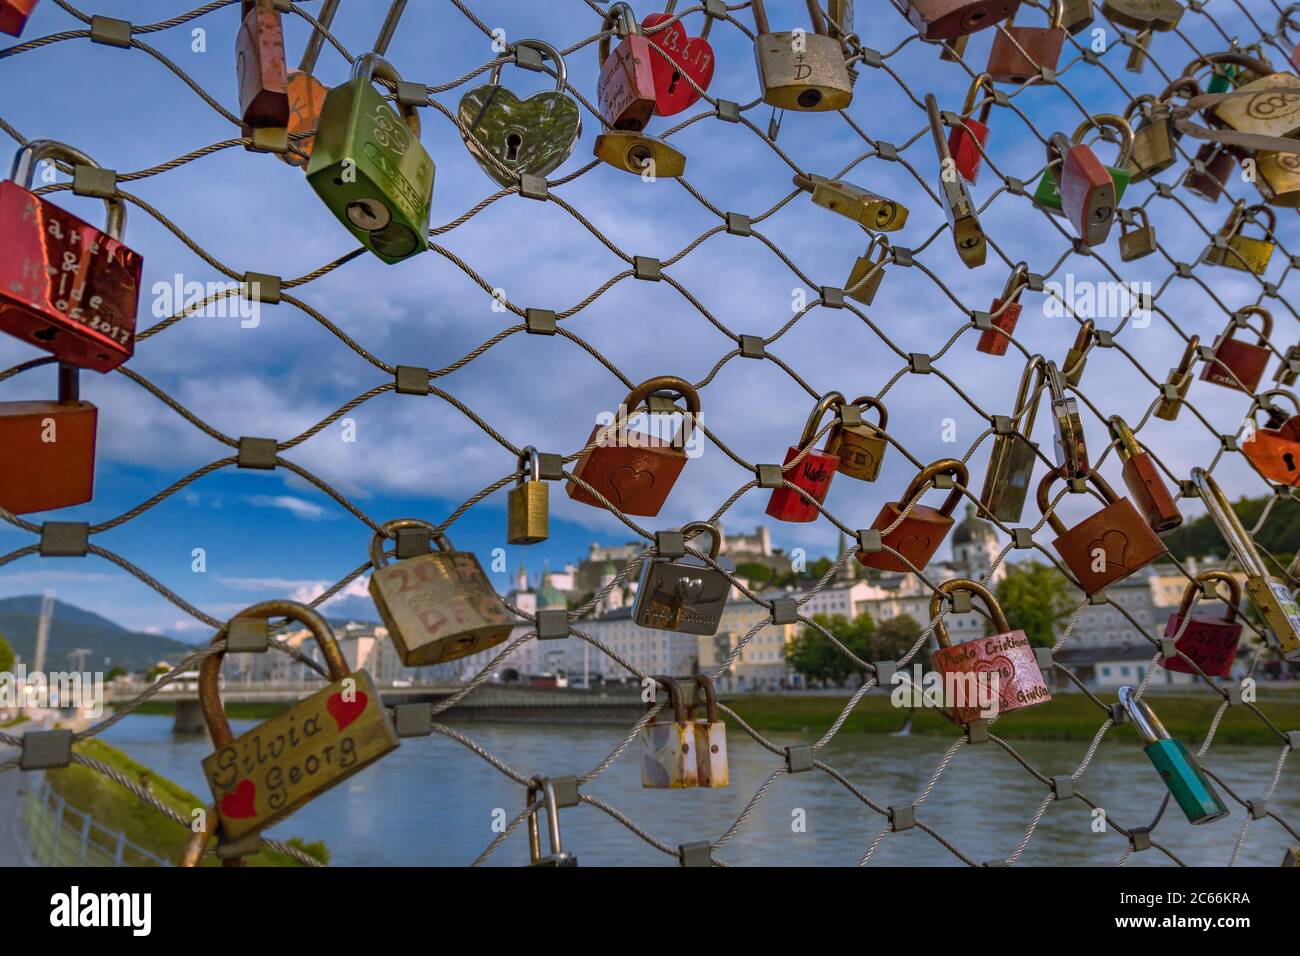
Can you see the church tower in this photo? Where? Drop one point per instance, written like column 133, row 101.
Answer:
column 975, row 547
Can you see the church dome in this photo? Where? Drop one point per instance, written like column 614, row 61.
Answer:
column 973, row 528
column 549, row 596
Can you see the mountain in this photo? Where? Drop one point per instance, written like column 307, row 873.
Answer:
column 72, row 628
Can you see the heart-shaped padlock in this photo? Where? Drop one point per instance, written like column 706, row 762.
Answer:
column 687, row 56
column 511, row 137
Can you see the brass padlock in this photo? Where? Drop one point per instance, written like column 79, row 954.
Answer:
column 1071, row 449
column 1156, row 136
column 683, row 595
column 862, row 206
column 711, row 768
column 646, row 156
column 528, row 505
column 864, row 279
column 1175, row 387
column 963, row 220
column 1236, row 364
column 1141, row 241
column 1139, row 47
column 267, row 773
column 1019, row 54
column 437, row 605
column 1158, row 15
column 1076, row 16
column 1076, row 359
column 1277, row 176
column 1011, row 464
column 1269, row 112
column 1244, row 253
column 667, row 757
column 862, row 447
column 542, row 787
column 801, row 70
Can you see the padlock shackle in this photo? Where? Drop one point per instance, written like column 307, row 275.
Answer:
column 70, row 384
column 968, row 106
column 369, row 65
column 389, row 26
column 561, row 71
column 870, row 401
column 1134, row 213
column 675, row 697
column 1148, row 725
column 1044, row 496
column 762, row 25
column 530, row 462
column 944, row 466
column 1123, row 435
column 824, row 404
column 1023, row 405
column 622, row 18
column 1108, row 121
column 708, row 20
column 1206, row 577
column 543, row 786
column 214, row 713
column 704, row 683
column 29, row 157
column 1056, row 14
column 1230, row 527
column 976, row 590
column 1188, row 84
column 1016, row 283
column 1284, row 20
column 1238, row 217
column 1260, row 404
column 665, row 383
column 380, row 560
column 1265, row 317
column 1189, row 356
column 704, row 527
column 1211, row 60
column 1135, row 105
column 311, row 52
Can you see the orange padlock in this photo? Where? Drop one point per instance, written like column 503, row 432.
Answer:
column 49, row 450
column 919, row 535
column 1275, row 448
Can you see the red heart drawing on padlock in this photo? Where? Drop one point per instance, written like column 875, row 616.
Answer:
column 344, row 711
column 687, row 57
column 241, row 802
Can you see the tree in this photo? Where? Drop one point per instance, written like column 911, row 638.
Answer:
column 1035, row 598
column 6, row 656
column 895, row 637
column 818, row 660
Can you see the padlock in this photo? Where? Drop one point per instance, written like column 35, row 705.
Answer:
column 1268, row 112
column 1139, row 242
column 1155, row 138
column 306, row 93
column 1084, row 191
column 625, row 90
column 862, row 448
column 684, row 595
column 686, row 60
column 801, row 70
column 864, row 207
column 1211, row 169
column 369, row 166
column 543, row 788
column 1288, row 20
column 1288, row 370
column 1244, row 253
column 528, row 504
column 1174, row 390
column 1076, row 358
column 1106, row 547
column 259, row 57
column 951, row 19
column 919, row 535
column 510, row 137
column 1067, row 425
column 1158, row 15
column 14, row 14
column 635, row 471
column 1275, row 448
column 49, row 450
column 1273, row 600
column 646, row 156
column 667, row 760
column 1187, row 783
column 1005, row 311
column 1076, row 16
column 1230, row 70
column 1277, row 176
column 437, row 605
column 864, row 279
column 711, row 768
column 1236, row 364
column 1143, row 481
column 1006, row 653
column 269, row 772
column 814, row 473
column 1019, row 54
column 967, row 139
column 963, row 220
column 65, row 286
column 1209, row 641
column 1011, row 464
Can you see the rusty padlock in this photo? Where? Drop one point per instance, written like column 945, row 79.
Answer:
column 814, row 473
column 861, row 448
column 49, row 450
column 259, row 58
column 1275, row 448
column 1005, row 312
column 711, row 768
column 1004, row 659
column 625, row 91
column 1019, row 54
column 1209, row 641
column 919, row 535
column 667, row 757
column 1106, row 547
column 1143, row 481
column 1236, row 364
column 951, row 19
column 966, row 140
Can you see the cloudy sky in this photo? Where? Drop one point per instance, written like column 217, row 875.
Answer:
column 271, row 534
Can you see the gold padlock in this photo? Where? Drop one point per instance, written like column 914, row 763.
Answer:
column 1269, row 112
column 1277, row 176
column 1176, row 385
column 637, row 153
column 1244, row 253
column 1077, row 356
column 1139, row 242
column 864, row 279
column 861, row 448
column 1155, row 137
column 862, row 206
column 527, row 507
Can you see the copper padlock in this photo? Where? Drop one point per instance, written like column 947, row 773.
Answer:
column 1019, row 54
column 1143, row 481
column 259, row 55
column 950, row 19
column 306, row 93
column 1107, row 547
column 919, row 535
column 967, row 139
column 1005, row 312
column 625, row 90
column 1211, row 642
column 1005, row 653
column 1244, row 253
column 14, row 14
column 1236, row 364
column 49, row 450
column 801, row 70
column 814, row 472
column 635, row 471
column 1174, row 389
column 862, row 447
column 1275, row 448
column 1211, row 168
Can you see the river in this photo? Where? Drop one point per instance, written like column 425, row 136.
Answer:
column 434, row 802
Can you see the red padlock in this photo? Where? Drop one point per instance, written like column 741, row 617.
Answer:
column 625, row 91
column 14, row 14
column 1019, row 54
column 259, row 55
column 1275, row 449
column 1005, row 311
column 684, row 56
column 954, row 19
column 1210, row 641
column 1143, row 480
column 1217, row 163
column 49, row 450
column 966, row 140
column 814, row 473
column 65, row 286
column 1240, row 365
column 919, row 535
column 1087, row 190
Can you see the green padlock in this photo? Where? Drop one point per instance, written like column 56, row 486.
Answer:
column 1191, row 789
column 369, row 166
column 1048, row 193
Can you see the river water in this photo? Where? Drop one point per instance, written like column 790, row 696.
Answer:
column 434, row 801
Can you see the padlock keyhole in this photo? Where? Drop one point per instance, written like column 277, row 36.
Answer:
column 810, row 98
column 672, row 84
column 1289, row 458
column 46, row 334
column 513, row 142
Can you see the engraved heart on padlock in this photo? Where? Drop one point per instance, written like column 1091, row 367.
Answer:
column 687, row 57
column 1114, row 544
column 629, row 482
column 914, row 544
column 689, row 589
column 530, row 136
column 1006, row 671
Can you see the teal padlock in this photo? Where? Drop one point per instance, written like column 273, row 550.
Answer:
column 369, row 166
column 1048, row 193
column 1187, row 782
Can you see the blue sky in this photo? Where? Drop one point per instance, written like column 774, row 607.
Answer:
column 271, row 534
